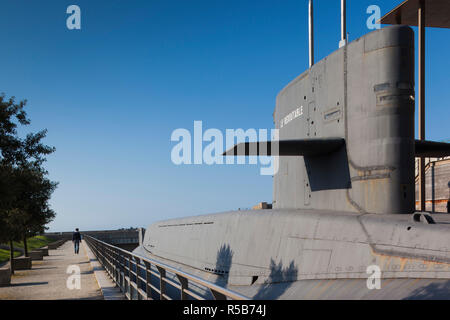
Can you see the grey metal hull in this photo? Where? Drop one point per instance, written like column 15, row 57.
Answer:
column 297, row 254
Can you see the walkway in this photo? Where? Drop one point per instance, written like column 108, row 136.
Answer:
column 48, row 278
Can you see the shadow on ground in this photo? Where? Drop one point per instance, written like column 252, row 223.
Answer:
column 28, row 284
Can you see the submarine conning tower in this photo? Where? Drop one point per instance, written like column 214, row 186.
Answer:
column 363, row 94
column 346, row 126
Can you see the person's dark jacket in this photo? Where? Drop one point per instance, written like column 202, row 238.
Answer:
column 76, row 236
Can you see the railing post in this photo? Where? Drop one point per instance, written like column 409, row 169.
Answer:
column 162, row 283
column 118, row 269
column 217, row 295
column 148, row 288
column 108, row 261
column 122, row 272
column 184, row 285
column 113, row 262
column 138, row 261
column 130, row 287
column 117, row 262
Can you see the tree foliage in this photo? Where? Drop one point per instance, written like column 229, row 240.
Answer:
column 24, row 187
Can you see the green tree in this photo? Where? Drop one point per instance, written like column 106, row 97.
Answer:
column 32, row 210
column 24, row 188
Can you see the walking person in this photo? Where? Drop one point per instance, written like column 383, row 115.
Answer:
column 76, row 239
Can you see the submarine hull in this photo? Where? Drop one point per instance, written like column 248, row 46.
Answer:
column 309, row 254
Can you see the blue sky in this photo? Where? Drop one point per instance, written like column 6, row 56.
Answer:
column 111, row 94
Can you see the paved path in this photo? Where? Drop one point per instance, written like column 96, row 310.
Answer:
column 48, row 278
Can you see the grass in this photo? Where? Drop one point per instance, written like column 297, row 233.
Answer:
column 4, row 255
column 33, row 243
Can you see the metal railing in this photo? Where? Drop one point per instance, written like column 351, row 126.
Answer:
column 141, row 278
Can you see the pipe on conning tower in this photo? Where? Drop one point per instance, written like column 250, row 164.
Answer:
column 311, row 33
column 343, row 41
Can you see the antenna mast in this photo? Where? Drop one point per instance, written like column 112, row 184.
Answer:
column 311, row 33
column 343, row 41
